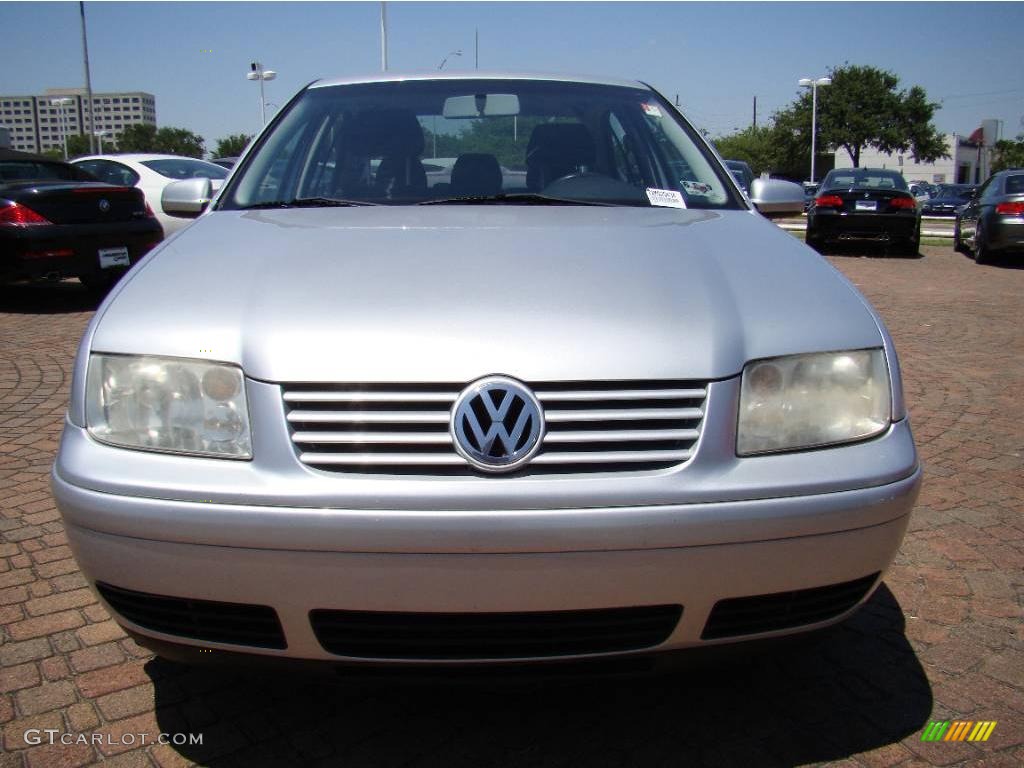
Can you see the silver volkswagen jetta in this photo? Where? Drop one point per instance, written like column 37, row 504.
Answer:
column 576, row 399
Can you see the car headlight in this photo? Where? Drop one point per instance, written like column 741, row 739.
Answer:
column 169, row 405
column 808, row 401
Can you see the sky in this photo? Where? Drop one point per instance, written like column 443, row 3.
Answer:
column 193, row 56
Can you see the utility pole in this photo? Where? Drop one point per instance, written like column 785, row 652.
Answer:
column 383, row 36
column 476, row 48
column 88, row 83
column 755, row 113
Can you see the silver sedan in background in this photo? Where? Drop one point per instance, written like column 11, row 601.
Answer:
column 597, row 407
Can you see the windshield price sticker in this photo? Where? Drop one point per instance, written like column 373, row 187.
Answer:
column 651, row 110
column 666, row 198
column 698, row 188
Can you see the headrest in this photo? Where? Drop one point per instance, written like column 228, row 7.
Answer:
column 561, row 143
column 386, row 133
column 476, row 174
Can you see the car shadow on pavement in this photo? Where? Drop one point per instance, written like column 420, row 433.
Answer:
column 822, row 697
column 48, row 298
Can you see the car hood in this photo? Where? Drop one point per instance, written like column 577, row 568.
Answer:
column 451, row 293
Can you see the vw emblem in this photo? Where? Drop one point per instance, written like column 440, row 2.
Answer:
column 497, row 424
column 104, row 205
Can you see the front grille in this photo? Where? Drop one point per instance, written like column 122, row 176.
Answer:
column 784, row 610
column 401, row 428
column 383, row 635
column 215, row 622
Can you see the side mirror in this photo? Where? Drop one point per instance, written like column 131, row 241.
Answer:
column 775, row 197
column 186, row 199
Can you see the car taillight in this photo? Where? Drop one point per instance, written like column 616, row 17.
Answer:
column 1010, row 209
column 903, row 203
column 829, row 201
column 17, row 215
column 149, row 212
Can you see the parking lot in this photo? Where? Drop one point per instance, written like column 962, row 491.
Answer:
column 940, row 640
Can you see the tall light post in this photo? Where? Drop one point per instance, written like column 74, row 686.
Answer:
column 807, row 82
column 60, row 103
column 257, row 72
column 433, row 128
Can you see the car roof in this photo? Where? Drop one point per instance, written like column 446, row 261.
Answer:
column 138, row 157
column 395, row 77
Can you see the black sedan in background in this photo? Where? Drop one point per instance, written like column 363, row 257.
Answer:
column 992, row 223
column 57, row 221
column 947, row 199
column 871, row 204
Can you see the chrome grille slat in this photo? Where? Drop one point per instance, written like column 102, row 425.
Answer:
column 592, row 426
column 356, row 396
column 630, row 414
column 370, row 417
column 607, row 435
column 583, row 395
column 374, row 438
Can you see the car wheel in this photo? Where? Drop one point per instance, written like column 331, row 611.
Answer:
column 958, row 247
column 912, row 247
column 100, row 282
column 982, row 255
column 815, row 241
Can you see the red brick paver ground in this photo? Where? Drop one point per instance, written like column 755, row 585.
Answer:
column 942, row 639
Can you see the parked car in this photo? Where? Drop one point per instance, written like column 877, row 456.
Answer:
column 344, row 417
column 948, row 197
column 870, row 204
column 57, row 221
column 151, row 173
column 742, row 172
column 992, row 223
column 810, row 192
column 922, row 190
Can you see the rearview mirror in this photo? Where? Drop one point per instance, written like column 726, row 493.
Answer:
column 775, row 197
column 186, row 199
column 481, row 105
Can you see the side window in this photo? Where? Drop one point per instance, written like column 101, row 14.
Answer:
column 623, row 157
column 110, row 172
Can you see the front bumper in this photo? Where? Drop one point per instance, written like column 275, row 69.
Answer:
column 586, row 559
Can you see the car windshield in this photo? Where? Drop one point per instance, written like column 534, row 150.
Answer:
column 474, row 141
column 953, row 193
column 185, row 168
column 864, row 178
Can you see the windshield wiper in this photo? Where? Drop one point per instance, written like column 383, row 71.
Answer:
column 523, row 198
column 307, row 202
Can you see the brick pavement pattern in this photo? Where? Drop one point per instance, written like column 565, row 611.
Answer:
column 941, row 639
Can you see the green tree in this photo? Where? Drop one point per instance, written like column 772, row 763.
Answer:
column 863, row 108
column 233, row 145
column 137, row 138
column 78, row 145
column 167, row 140
column 756, row 146
column 1008, row 154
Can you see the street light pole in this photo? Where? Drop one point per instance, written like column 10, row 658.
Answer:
column 59, row 103
column 257, row 72
column 807, row 82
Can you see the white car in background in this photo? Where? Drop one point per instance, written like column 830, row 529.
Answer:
column 151, row 173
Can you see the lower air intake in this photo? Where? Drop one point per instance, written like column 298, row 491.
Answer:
column 784, row 610
column 383, row 635
column 215, row 622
